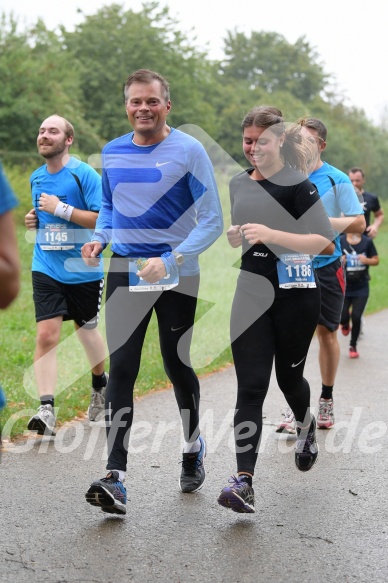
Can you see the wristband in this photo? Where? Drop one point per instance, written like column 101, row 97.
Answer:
column 63, row 211
column 169, row 263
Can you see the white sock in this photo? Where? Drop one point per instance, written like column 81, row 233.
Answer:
column 121, row 474
column 192, row 447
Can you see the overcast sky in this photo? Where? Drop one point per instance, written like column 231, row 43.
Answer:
column 351, row 39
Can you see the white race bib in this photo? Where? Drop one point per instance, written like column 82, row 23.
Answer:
column 137, row 284
column 295, row 270
column 56, row 237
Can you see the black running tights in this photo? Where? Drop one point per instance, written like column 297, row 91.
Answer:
column 127, row 318
column 353, row 309
column 280, row 332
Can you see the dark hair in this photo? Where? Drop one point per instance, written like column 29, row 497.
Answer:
column 296, row 150
column 263, row 116
column 315, row 124
column 147, row 76
column 357, row 169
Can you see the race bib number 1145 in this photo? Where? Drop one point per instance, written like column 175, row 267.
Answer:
column 56, row 237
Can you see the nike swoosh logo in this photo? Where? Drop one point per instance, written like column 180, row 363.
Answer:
column 158, row 164
column 175, row 329
column 312, row 191
column 298, row 363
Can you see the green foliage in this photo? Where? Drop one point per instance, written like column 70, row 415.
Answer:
column 378, row 285
column 267, row 60
column 112, row 43
column 39, row 79
column 19, row 179
column 81, row 74
column 353, row 141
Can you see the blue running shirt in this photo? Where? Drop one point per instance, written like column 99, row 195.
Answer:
column 159, row 198
column 66, row 266
column 337, row 201
column 8, row 200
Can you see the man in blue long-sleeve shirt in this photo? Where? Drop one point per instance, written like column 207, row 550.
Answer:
column 160, row 210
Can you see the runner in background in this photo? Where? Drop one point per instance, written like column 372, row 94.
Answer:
column 346, row 215
column 66, row 196
column 359, row 254
column 370, row 202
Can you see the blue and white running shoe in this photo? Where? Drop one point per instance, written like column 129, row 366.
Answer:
column 193, row 473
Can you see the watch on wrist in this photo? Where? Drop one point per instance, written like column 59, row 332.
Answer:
column 179, row 259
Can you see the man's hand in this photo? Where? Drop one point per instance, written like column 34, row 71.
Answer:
column 31, row 220
column 90, row 252
column 48, row 202
column 234, row 236
column 153, row 271
column 372, row 231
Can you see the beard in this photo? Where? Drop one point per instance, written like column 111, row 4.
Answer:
column 52, row 150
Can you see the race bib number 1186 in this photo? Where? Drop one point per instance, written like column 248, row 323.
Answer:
column 295, row 270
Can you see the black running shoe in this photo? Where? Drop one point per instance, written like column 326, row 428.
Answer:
column 193, row 473
column 109, row 494
column 306, row 448
column 239, row 496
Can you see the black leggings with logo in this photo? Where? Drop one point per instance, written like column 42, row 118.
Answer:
column 127, row 317
column 265, row 329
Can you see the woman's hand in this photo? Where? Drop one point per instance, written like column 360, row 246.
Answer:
column 256, row 234
column 234, row 236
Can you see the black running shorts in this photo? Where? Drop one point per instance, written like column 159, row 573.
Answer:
column 79, row 302
column 332, row 280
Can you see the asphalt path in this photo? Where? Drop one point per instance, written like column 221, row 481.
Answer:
column 328, row 524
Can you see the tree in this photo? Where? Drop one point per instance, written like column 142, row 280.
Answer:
column 39, row 79
column 113, row 43
column 80, row 75
column 267, row 60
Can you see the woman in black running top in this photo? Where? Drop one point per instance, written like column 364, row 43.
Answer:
column 278, row 218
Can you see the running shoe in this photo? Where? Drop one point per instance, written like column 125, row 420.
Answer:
column 239, row 496
column 306, row 448
column 345, row 329
column 193, row 473
column 325, row 418
column 288, row 423
column 353, row 352
column 97, row 402
column 44, row 421
column 109, row 494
